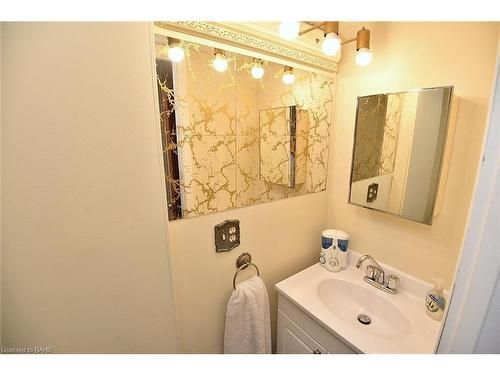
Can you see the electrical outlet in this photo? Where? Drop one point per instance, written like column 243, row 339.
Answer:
column 371, row 194
column 227, row 235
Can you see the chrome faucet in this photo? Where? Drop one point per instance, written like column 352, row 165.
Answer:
column 375, row 276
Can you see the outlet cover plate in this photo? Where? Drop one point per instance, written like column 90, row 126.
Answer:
column 227, row 235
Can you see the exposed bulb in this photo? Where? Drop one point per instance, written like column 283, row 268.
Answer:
column 288, row 76
column 257, row 71
column 220, row 62
column 176, row 53
column 363, row 57
column 331, row 44
column 289, row 30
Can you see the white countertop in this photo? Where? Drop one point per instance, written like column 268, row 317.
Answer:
column 421, row 333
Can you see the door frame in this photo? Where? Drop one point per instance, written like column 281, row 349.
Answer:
column 479, row 264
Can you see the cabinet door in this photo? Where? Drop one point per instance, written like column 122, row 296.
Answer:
column 293, row 340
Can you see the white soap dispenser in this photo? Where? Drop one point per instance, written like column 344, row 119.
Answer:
column 434, row 300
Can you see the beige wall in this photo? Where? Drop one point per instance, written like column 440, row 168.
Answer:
column 409, row 56
column 84, row 243
column 282, row 236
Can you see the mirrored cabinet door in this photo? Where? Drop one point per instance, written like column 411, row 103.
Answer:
column 398, row 151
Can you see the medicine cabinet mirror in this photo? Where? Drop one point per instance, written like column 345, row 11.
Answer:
column 398, row 151
column 230, row 140
column 283, row 145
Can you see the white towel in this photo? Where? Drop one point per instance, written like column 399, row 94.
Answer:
column 248, row 322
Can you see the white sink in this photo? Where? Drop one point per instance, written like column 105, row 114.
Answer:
column 398, row 324
column 348, row 301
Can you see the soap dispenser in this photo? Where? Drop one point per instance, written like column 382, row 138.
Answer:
column 434, row 301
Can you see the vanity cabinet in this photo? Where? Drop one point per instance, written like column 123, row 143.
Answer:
column 298, row 333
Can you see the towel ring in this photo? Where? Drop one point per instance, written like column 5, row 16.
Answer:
column 242, row 262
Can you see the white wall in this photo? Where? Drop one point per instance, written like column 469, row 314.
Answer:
column 283, row 237
column 84, row 243
column 409, row 56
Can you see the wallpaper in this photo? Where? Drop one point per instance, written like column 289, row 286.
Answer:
column 377, row 129
column 219, row 138
column 390, row 135
column 275, row 154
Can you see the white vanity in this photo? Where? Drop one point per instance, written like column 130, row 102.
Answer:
column 318, row 313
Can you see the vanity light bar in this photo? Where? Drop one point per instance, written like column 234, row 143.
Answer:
column 332, row 41
column 317, row 26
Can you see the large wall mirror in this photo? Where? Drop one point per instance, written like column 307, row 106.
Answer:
column 398, row 151
column 230, row 140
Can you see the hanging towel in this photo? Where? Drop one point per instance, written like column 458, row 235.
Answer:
column 248, row 322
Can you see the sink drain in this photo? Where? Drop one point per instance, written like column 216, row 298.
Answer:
column 364, row 319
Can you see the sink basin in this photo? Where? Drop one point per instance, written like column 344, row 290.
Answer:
column 348, row 301
column 398, row 323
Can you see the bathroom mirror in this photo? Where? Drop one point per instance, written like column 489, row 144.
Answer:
column 231, row 140
column 398, row 151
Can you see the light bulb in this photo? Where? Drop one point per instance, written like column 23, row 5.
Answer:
column 363, row 57
column 331, row 44
column 289, row 30
column 288, row 76
column 220, row 62
column 257, row 71
column 175, row 53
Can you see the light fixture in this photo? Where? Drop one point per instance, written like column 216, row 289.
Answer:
column 331, row 43
column 257, row 69
column 289, row 30
column 175, row 51
column 220, row 61
column 363, row 55
column 288, row 76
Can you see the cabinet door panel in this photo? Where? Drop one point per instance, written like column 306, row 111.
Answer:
column 318, row 333
column 294, row 345
column 293, row 340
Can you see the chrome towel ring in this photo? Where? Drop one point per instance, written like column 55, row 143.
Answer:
column 242, row 262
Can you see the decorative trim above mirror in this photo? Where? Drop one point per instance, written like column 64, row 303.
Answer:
column 254, row 45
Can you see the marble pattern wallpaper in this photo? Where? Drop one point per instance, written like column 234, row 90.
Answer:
column 391, row 133
column 276, row 160
column 377, row 129
column 217, row 137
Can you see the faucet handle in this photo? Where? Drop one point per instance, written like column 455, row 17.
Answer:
column 392, row 282
column 371, row 272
